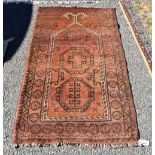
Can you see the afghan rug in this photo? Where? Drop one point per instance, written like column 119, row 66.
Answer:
column 139, row 18
column 76, row 87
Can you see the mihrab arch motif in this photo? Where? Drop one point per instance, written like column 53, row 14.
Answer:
column 76, row 59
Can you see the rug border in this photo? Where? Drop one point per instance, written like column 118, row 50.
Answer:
column 19, row 103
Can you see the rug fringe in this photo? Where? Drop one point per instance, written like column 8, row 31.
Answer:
column 140, row 143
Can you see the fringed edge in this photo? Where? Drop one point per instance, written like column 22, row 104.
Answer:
column 94, row 146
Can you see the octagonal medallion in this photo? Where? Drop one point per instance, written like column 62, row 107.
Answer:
column 76, row 60
column 75, row 95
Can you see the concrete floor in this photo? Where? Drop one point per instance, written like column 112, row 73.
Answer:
column 141, row 84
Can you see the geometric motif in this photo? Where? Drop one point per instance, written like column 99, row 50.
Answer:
column 35, row 105
column 37, row 94
column 76, row 60
column 105, row 128
column 116, row 115
column 115, row 104
column 34, row 117
column 70, row 128
column 116, row 128
column 38, row 83
column 76, row 88
column 35, row 129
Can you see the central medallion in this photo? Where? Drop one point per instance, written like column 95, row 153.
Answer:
column 75, row 95
column 76, row 60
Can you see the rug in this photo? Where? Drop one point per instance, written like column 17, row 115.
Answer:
column 139, row 18
column 76, row 87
